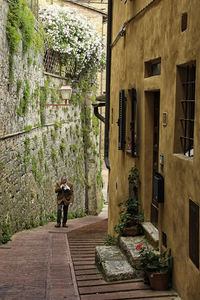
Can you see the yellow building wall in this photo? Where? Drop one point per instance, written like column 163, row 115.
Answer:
column 157, row 33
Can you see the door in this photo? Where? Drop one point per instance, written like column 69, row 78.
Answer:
column 156, row 122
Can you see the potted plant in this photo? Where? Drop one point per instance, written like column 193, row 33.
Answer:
column 130, row 217
column 156, row 266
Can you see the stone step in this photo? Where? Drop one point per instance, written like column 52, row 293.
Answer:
column 151, row 233
column 113, row 264
column 128, row 246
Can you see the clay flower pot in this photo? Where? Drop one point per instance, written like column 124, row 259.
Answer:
column 158, row 281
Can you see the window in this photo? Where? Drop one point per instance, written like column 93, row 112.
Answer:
column 131, row 123
column 127, row 122
column 153, row 67
column 122, row 121
column 194, row 233
column 185, row 109
column 184, row 22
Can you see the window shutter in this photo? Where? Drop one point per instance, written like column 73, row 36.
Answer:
column 122, row 121
column 133, row 120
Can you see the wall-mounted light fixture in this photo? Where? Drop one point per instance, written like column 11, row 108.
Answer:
column 66, row 93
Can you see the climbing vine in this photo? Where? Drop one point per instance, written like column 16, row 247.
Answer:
column 20, row 27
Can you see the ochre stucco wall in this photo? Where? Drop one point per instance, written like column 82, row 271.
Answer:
column 157, row 33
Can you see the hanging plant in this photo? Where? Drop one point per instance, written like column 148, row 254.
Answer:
column 70, row 35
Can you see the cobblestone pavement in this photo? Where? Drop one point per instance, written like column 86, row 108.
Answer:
column 37, row 263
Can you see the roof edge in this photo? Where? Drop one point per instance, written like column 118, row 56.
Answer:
column 87, row 6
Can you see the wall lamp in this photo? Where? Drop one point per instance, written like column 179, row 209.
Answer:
column 66, row 93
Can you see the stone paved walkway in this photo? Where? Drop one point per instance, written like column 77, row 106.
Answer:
column 37, row 263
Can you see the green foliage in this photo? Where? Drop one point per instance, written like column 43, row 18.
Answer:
column 77, row 214
column 36, row 94
column 38, row 41
column 44, row 140
column 6, row 232
column 46, row 167
column 27, row 150
column 54, row 155
column 95, row 125
column 36, row 172
column 52, row 217
column 153, row 261
column 20, row 26
column 1, row 165
column 24, row 101
column 101, row 202
column 19, row 85
column 74, row 148
column 28, row 128
column 35, row 139
column 130, row 207
column 41, row 155
column 57, row 125
column 53, row 134
column 54, row 96
column 62, row 148
column 43, row 219
column 43, row 100
column 99, row 179
column 111, row 241
column 79, row 46
column 29, row 61
column 134, row 176
column 77, row 99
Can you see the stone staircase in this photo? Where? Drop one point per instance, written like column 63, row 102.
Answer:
column 121, row 263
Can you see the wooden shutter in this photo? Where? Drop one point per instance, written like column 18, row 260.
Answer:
column 194, row 233
column 122, row 121
column 133, row 122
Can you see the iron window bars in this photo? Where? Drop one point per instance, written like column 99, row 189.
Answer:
column 188, row 108
column 122, row 121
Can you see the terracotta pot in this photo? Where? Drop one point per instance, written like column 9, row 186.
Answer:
column 131, row 231
column 158, row 281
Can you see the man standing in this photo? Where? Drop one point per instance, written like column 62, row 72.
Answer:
column 65, row 196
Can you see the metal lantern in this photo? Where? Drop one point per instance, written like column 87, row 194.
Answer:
column 66, row 93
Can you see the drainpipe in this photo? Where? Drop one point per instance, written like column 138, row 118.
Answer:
column 108, row 73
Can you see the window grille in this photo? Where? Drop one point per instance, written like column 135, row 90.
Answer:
column 188, row 109
column 133, row 122
column 122, row 121
column 51, row 62
column 194, row 233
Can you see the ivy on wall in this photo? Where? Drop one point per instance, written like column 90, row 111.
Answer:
column 20, row 27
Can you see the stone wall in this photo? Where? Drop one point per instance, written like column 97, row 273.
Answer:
column 38, row 143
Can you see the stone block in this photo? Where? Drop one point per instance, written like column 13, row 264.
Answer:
column 113, row 263
column 151, row 233
column 128, row 246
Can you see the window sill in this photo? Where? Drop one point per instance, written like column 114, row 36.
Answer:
column 128, row 151
column 183, row 157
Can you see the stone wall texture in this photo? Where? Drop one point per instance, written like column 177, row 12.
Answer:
column 39, row 145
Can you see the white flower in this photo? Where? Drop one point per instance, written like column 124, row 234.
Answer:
column 72, row 36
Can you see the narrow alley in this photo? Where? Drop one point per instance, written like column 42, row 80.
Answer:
column 50, row 263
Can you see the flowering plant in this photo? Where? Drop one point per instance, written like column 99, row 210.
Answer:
column 152, row 260
column 79, row 46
